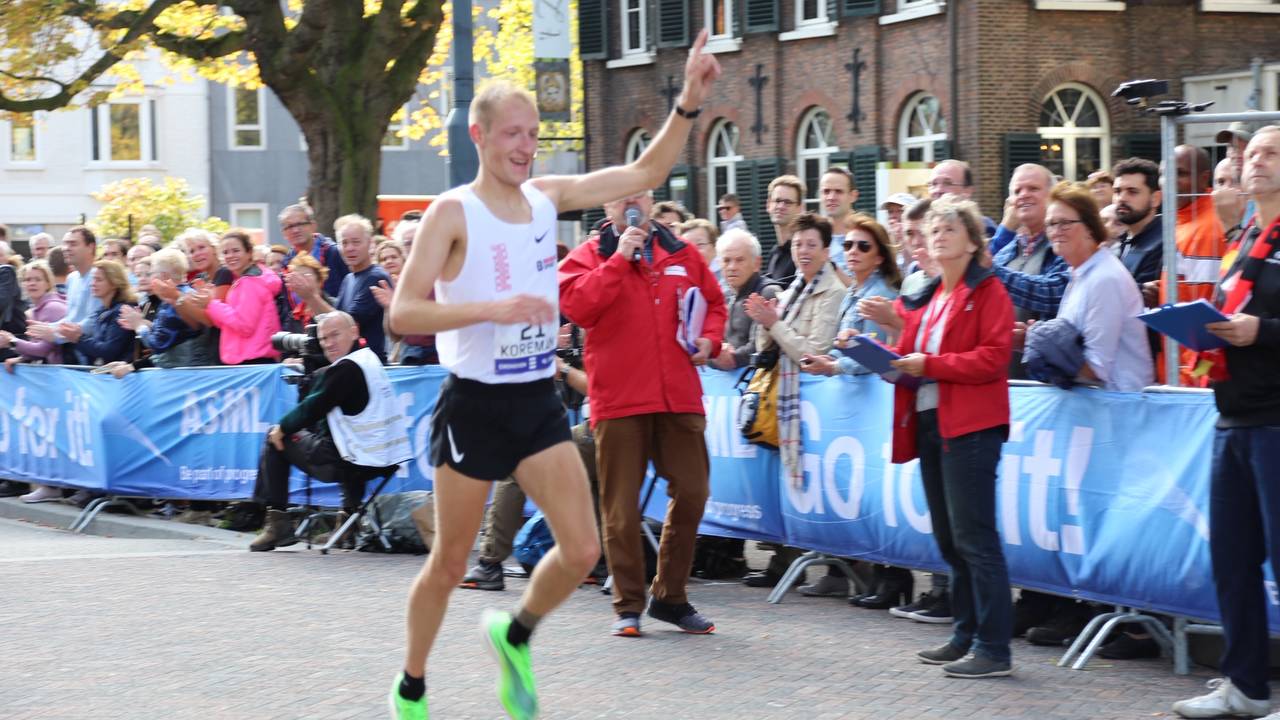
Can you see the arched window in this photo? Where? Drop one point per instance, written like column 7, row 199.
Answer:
column 636, row 144
column 813, row 152
column 1075, row 135
column 921, row 126
column 722, row 161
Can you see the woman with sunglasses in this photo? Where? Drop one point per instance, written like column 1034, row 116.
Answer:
column 871, row 260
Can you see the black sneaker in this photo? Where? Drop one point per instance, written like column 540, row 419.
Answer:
column 1062, row 628
column 904, row 611
column 938, row 612
column 941, row 655
column 976, row 666
column 682, row 616
column 12, row 488
column 1128, row 647
column 484, row 576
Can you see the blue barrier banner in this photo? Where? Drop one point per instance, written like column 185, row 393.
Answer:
column 1100, row 495
column 51, row 426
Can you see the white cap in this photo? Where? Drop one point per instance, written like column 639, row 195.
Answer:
column 906, row 200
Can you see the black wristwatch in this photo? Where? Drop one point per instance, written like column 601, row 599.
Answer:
column 686, row 114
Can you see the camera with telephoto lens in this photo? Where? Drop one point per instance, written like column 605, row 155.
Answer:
column 300, row 344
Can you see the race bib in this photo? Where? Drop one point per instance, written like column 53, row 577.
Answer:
column 522, row 348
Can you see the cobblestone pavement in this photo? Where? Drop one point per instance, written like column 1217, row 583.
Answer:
column 210, row 634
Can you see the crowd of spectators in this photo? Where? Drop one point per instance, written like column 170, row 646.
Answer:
column 1074, row 262
column 201, row 299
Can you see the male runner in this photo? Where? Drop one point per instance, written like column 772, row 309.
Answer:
column 488, row 250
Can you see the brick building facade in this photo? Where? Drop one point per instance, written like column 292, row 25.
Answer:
column 808, row 83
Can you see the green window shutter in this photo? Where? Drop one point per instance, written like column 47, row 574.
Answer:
column 762, row 173
column 856, row 8
column 761, row 15
column 590, row 218
column 863, row 168
column 1019, row 149
column 941, row 150
column 673, row 23
column 662, row 193
column 593, row 32
column 1143, row 145
column 744, row 183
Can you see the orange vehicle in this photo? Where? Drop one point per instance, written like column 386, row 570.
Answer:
column 391, row 207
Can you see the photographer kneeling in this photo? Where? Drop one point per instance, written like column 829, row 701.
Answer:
column 350, row 422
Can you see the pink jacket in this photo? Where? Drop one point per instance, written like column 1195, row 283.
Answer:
column 51, row 308
column 247, row 317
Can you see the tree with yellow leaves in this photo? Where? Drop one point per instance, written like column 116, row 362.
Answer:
column 342, row 68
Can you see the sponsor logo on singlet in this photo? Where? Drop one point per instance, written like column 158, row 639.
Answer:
column 501, row 268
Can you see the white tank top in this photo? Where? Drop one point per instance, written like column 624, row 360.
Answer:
column 503, row 259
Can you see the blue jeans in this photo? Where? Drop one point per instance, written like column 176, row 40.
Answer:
column 1244, row 532
column 960, row 486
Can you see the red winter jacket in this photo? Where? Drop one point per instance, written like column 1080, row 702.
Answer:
column 972, row 364
column 634, row 364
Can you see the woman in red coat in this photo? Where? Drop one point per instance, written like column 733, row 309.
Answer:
column 957, row 339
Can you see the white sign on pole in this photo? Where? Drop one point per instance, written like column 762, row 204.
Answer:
column 551, row 37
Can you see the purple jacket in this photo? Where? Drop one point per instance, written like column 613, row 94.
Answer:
column 51, row 308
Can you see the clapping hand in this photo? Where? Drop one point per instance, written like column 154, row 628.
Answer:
column 382, row 293
column 762, row 311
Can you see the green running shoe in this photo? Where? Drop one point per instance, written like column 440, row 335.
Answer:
column 402, row 709
column 516, row 688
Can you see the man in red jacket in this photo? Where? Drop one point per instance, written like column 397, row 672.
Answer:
column 626, row 287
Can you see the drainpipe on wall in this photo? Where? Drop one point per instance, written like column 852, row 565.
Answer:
column 953, row 24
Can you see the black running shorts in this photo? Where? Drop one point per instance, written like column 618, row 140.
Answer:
column 484, row 430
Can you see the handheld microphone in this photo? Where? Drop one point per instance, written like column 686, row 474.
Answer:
column 634, row 219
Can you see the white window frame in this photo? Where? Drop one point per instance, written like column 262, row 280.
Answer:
column 712, row 35
column 233, row 127
column 624, row 33
column 1081, row 5
column 146, row 108
column 394, row 126
column 725, row 41
column 906, row 141
column 820, row 19
column 914, row 10
column 636, row 143
column 714, row 162
column 1240, row 6
column 1069, row 133
column 37, row 140
column 234, row 208
column 812, row 201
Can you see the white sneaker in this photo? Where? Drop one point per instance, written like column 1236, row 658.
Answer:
column 42, row 493
column 1225, row 700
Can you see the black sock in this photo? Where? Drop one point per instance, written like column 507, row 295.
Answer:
column 521, row 627
column 412, row 688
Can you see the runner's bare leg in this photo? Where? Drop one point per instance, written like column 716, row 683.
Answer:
column 557, row 483
column 460, row 502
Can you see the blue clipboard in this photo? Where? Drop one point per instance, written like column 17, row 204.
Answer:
column 1185, row 323
column 875, row 356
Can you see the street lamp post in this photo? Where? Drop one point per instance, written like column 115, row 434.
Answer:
column 463, row 162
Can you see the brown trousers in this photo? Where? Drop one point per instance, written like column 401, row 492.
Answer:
column 678, row 449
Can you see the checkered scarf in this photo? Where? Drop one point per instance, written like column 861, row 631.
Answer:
column 789, row 387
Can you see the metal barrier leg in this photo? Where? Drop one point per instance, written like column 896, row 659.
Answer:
column 1101, row 635
column 1087, row 634
column 89, row 512
column 798, row 566
column 1181, row 653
